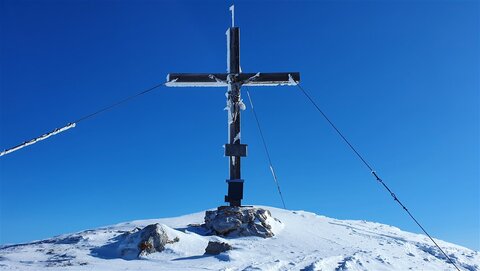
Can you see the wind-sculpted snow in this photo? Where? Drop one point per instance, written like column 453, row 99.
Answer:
column 303, row 241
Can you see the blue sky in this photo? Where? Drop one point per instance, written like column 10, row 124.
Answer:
column 400, row 79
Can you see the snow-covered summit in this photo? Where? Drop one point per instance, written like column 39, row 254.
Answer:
column 302, row 241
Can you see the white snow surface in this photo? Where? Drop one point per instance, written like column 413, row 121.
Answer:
column 302, row 241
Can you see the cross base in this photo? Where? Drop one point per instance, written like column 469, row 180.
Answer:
column 235, row 192
column 240, row 222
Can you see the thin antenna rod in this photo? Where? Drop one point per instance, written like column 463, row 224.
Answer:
column 232, row 9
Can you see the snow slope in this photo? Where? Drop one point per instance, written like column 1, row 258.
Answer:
column 303, row 241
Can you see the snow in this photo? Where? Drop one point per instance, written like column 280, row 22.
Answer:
column 303, row 241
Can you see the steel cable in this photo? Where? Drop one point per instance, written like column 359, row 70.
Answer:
column 272, row 170
column 395, row 198
column 73, row 124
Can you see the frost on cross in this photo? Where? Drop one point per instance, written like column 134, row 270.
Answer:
column 234, row 79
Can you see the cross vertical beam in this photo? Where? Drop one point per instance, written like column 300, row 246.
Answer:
column 234, row 106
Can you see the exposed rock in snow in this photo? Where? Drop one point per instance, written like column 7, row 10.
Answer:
column 215, row 248
column 303, row 241
column 148, row 240
column 135, row 243
column 240, row 221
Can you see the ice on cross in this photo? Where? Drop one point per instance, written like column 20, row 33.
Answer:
column 233, row 79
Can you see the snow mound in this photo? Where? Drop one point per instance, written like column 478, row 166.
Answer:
column 303, row 241
column 136, row 243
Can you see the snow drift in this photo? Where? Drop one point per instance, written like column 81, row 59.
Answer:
column 302, row 241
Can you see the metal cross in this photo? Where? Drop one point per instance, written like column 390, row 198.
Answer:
column 234, row 79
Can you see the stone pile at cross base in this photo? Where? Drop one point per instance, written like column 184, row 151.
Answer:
column 232, row 221
column 226, row 221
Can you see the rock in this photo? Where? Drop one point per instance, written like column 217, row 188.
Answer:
column 175, row 240
column 215, row 248
column 141, row 242
column 239, row 221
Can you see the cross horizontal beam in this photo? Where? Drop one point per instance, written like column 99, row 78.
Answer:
column 220, row 79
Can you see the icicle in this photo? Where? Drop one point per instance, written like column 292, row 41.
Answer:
column 237, row 137
column 291, row 81
column 229, row 109
column 242, row 105
column 40, row 138
column 211, row 76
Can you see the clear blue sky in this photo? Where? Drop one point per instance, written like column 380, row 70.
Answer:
column 400, row 79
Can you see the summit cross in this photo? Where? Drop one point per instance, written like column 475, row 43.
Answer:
column 234, row 79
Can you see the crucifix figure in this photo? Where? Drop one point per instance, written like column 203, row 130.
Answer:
column 234, row 79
